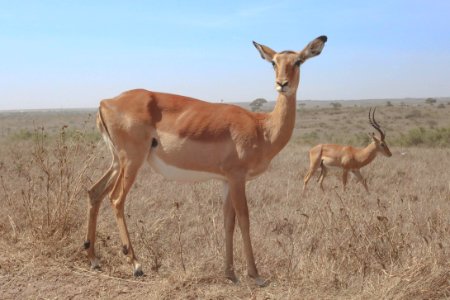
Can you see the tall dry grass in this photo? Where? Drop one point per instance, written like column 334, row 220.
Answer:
column 393, row 243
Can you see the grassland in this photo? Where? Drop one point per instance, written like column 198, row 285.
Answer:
column 393, row 243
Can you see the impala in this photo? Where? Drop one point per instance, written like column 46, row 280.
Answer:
column 349, row 158
column 190, row 140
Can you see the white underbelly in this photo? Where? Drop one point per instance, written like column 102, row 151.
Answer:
column 329, row 162
column 174, row 173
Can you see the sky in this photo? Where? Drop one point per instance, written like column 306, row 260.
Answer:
column 72, row 54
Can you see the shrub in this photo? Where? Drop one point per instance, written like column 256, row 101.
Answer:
column 336, row 105
column 433, row 137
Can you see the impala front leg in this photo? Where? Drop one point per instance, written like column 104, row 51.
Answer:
column 344, row 178
column 358, row 175
column 229, row 215
column 239, row 201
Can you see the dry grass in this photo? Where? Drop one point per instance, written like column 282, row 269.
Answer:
column 393, row 243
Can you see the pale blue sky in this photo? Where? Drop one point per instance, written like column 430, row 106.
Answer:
column 70, row 54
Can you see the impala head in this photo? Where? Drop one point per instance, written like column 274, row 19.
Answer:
column 379, row 142
column 287, row 63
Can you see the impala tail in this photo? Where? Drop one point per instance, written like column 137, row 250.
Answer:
column 104, row 130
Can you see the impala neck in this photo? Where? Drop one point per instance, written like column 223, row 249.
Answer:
column 366, row 155
column 280, row 123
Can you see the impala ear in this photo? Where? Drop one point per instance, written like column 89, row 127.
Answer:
column 373, row 137
column 266, row 52
column 314, row 48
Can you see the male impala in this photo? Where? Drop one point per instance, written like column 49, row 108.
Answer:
column 191, row 140
column 346, row 157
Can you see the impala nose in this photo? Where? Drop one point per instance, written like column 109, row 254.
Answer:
column 283, row 83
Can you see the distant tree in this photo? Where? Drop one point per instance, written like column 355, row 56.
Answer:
column 336, row 105
column 430, row 101
column 389, row 103
column 441, row 105
column 256, row 104
column 300, row 105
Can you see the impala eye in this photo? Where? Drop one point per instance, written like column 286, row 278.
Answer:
column 298, row 63
column 274, row 65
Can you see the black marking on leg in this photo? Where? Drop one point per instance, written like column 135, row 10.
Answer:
column 125, row 249
column 87, row 244
column 154, row 143
column 138, row 273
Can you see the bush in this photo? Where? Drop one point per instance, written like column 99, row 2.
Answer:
column 434, row 137
column 414, row 114
column 430, row 101
column 336, row 105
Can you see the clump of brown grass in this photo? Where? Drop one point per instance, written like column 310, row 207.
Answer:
column 45, row 179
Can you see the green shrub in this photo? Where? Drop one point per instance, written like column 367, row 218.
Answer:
column 433, row 137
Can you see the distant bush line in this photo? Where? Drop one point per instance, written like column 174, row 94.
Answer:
column 420, row 136
column 70, row 134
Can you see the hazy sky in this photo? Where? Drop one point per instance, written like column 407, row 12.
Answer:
column 70, row 54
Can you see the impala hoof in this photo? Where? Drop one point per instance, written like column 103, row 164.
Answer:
column 233, row 278
column 261, row 282
column 86, row 244
column 95, row 264
column 137, row 271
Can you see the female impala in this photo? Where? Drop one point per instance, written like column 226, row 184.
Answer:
column 191, row 140
column 346, row 157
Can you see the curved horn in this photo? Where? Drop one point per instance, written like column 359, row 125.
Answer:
column 374, row 123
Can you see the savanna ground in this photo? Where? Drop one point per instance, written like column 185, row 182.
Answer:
column 393, row 243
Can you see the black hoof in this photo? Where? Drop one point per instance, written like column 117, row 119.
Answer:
column 138, row 273
column 87, row 244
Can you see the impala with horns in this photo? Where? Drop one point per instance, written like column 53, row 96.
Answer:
column 349, row 158
column 191, row 140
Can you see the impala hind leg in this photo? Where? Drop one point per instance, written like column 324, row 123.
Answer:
column 308, row 176
column 314, row 164
column 96, row 194
column 323, row 174
column 239, row 202
column 129, row 167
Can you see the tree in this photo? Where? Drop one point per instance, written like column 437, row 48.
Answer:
column 256, row 104
column 336, row 105
column 430, row 101
column 389, row 103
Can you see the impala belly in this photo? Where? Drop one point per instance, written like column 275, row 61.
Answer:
column 178, row 174
column 330, row 161
column 182, row 159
